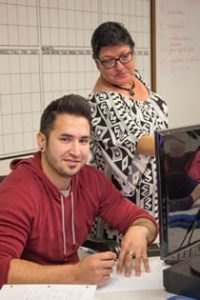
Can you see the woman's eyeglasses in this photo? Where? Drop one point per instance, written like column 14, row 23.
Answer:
column 111, row 62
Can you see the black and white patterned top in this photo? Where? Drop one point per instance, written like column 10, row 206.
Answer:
column 118, row 122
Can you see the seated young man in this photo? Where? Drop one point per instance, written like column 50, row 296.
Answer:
column 48, row 204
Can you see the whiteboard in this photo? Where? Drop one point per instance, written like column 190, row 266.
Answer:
column 178, row 59
column 45, row 53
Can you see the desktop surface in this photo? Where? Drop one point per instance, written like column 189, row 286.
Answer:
column 138, row 288
column 134, row 295
column 117, row 287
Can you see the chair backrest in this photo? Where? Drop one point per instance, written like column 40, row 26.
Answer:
column 2, row 178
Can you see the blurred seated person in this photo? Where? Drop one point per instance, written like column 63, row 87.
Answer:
column 183, row 191
column 181, row 159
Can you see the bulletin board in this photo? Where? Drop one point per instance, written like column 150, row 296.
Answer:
column 178, row 59
column 45, row 53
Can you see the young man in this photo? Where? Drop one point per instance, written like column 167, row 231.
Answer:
column 48, row 204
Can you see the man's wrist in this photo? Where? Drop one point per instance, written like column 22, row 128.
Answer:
column 150, row 227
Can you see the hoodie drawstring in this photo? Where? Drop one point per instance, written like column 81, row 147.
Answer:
column 63, row 227
column 72, row 223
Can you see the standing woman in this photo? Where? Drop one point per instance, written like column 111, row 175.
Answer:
column 125, row 115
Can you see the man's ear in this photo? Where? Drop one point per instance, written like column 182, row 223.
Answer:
column 41, row 141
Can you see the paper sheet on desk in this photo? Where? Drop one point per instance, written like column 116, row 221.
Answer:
column 147, row 281
column 48, row 292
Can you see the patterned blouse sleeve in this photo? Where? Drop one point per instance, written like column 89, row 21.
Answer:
column 116, row 127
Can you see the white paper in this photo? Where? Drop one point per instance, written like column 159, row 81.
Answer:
column 48, row 292
column 147, row 281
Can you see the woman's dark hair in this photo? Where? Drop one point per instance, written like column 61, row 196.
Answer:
column 70, row 104
column 110, row 34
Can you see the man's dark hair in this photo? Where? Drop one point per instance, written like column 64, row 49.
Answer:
column 71, row 104
column 110, row 34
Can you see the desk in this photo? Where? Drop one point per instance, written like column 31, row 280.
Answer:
column 147, row 286
column 133, row 295
column 147, row 293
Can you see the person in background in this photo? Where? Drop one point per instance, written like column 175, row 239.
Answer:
column 183, row 191
column 125, row 115
column 49, row 201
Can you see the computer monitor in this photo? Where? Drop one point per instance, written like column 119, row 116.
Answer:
column 178, row 169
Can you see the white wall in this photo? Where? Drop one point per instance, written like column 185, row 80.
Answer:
column 5, row 164
column 45, row 53
column 4, row 167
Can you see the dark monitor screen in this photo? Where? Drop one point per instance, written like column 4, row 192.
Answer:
column 178, row 169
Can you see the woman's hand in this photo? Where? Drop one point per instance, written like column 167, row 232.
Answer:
column 146, row 145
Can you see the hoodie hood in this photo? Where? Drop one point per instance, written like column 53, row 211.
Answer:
column 34, row 164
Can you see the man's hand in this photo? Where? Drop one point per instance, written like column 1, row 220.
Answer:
column 134, row 245
column 95, row 268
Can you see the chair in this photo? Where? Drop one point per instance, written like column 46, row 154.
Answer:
column 2, row 178
column 101, row 245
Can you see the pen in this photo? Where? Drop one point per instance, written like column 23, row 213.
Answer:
column 117, row 250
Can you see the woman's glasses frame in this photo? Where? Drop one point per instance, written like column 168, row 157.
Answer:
column 110, row 63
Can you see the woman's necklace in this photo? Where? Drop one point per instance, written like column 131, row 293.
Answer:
column 131, row 90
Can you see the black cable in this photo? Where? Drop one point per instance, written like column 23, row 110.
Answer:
column 191, row 229
column 197, row 218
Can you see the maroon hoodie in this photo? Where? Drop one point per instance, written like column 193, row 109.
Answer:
column 39, row 224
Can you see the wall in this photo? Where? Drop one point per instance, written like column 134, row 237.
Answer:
column 45, row 53
column 178, row 59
